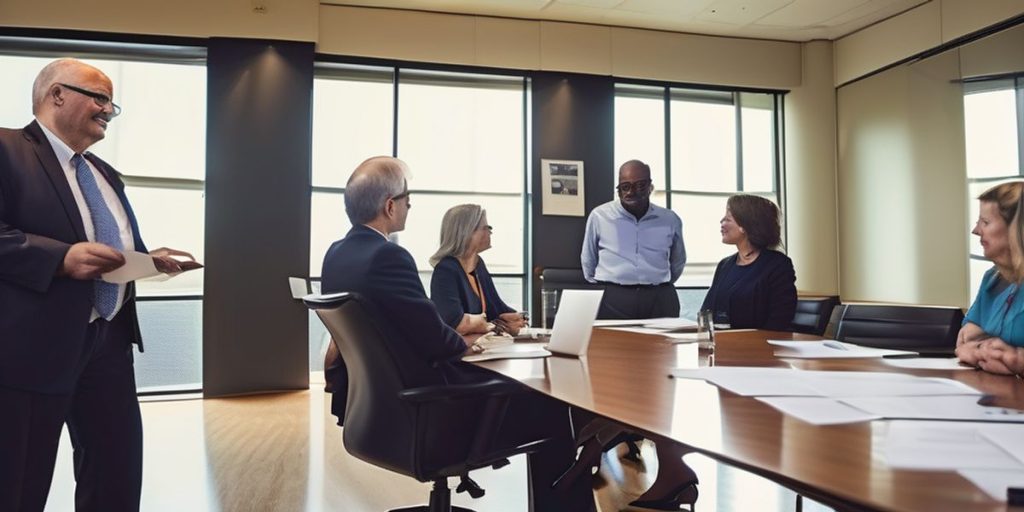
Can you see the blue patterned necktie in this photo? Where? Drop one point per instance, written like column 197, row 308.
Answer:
column 106, row 232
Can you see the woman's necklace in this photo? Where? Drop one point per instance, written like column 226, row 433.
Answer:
column 749, row 256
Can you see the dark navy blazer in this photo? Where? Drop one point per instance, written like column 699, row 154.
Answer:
column 451, row 292
column 43, row 318
column 385, row 274
column 766, row 299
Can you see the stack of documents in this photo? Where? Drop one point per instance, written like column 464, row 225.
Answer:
column 825, row 398
column 990, row 455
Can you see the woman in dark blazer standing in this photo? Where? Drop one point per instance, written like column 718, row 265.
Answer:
column 461, row 287
column 754, row 288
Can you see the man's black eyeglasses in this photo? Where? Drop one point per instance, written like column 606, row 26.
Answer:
column 635, row 186
column 401, row 196
column 102, row 100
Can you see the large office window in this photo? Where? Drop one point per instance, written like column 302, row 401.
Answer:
column 463, row 136
column 993, row 115
column 159, row 145
column 702, row 146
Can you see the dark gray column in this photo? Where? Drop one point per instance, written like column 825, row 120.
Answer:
column 573, row 119
column 258, row 139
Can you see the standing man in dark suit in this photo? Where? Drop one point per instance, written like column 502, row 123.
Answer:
column 366, row 262
column 66, row 336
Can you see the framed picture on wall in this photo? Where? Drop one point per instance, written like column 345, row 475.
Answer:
column 562, row 181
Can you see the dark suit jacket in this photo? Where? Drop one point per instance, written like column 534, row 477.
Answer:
column 385, row 274
column 451, row 292
column 766, row 300
column 43, row 318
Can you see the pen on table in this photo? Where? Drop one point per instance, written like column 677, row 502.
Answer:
column 835, row 344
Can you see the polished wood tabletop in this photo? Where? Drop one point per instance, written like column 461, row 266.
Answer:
column 625, row 377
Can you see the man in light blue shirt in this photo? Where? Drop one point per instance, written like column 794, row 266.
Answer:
column 635, row 249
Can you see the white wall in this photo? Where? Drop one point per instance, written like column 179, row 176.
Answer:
column 810, row 174
column 557, row 46
column 902, row 188
column 919, row 29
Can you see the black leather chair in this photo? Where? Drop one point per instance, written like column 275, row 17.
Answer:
column 928, row 330
column 566, row 279
column 414, row 428
column 812, row 314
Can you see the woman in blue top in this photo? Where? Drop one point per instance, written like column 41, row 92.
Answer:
column 461, row 287
column 992, row 337
column 754, row 288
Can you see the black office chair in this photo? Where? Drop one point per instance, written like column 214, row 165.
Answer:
column 566, row 279
column 411, row 427
column 927, row 330
column 813, row 314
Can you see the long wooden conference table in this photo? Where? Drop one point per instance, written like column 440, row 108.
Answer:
column 625, row 377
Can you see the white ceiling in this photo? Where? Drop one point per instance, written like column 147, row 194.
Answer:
column 788, row 20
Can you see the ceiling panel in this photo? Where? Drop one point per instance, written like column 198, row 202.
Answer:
column 740, row 12
column 787, row 20
column 600, row 4
column 806, row 13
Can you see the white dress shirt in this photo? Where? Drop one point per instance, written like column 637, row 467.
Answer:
column 64, row 154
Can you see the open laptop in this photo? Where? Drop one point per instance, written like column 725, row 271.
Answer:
column 570, row 336
column 577, row 311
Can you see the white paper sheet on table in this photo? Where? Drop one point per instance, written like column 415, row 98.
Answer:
column 639, row 330
column 831, row 349
column 671, row 324
column 511, row 351
column 1009, row 437
column 681, row 337
column 928, row 363
column 751, row 381
column 817, row 410
column 994, row 481
column 137, row 265
column 619, row 323
column 960, row 408
column 943, row 445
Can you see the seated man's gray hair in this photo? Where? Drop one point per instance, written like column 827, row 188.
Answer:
column 371, row 185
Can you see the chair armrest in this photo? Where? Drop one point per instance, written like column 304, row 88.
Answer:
column 484, row 389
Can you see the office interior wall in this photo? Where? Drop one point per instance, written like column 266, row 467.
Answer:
column 810, row 149
column 919, row 29
column 294, row 20
column 557, row 46
column 259, row 128
column 902, row 186
column 572, row 120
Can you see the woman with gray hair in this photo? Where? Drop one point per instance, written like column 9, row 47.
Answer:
column 461, row 287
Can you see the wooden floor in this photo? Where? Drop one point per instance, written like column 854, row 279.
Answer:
column 283, row 452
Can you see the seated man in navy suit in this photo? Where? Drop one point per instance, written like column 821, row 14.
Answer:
column 366, row 262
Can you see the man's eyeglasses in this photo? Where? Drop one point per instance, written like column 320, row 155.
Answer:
column 401, row 196
column 101, row 100
column 639, row 187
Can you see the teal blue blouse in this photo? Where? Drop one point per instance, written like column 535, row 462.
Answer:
column 996, row 311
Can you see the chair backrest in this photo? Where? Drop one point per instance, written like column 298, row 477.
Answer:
column 379, row 428
column 566, row 279
column 925, row 329
column 813, row 314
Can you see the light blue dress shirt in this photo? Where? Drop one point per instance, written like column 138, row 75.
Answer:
column 999, row 313
column 617, row 248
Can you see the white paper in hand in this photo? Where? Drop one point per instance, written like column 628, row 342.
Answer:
column 137, row 265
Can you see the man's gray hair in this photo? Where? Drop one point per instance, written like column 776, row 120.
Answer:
column 457, row 227
column 375, row 181
column 52, row 73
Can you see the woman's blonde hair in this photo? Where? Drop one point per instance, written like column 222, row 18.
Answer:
column 457, row 228
column 1009, row 200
